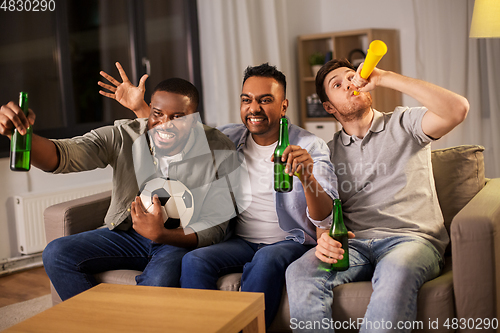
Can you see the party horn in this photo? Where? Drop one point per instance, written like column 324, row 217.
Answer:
column 376, row 51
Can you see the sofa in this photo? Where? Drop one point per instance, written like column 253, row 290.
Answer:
column 462, row 297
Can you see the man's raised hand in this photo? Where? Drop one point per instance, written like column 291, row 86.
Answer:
column 126, row 93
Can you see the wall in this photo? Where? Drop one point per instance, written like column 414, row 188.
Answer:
column 388, row 14
column 16, row 183
column 301, row 20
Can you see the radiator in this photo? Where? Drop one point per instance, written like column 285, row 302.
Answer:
column 28, row 210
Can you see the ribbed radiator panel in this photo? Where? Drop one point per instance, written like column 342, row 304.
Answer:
column 29, row 213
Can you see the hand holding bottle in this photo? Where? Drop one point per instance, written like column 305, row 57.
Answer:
column 328, row 249
column 43, row 153
column 298, row 162
column 12, row 117
column 15, row 124
column 290, row 160
column 333, row 246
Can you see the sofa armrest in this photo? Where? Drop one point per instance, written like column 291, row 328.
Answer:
column 475, row 244
column 74, row 216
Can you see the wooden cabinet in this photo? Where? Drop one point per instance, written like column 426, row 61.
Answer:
column 323, row 129
column 346, row 44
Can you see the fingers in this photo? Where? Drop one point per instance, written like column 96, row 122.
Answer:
column 287, row 151
column 142, row 82
column 123, row 75
column 156, row 205
column 112, row 96
column 137, row 208
column 329, row 250
column 133, row 209
column 298, row 160
column 324, row 258
column 11, row 116
column 328, row 257
column 31, row 117
column 107, row 86
column 5, row 124
column 328, row 243
column 302, row 164
column 357, row 80
column 109, row 78
column 358, row 71
column 19, row 118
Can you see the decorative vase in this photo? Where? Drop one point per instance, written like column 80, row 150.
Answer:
column 315, row 69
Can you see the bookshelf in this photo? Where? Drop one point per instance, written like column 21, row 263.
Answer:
column 344, row 44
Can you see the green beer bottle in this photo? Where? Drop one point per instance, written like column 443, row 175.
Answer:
column 338, row 231
column 20, row 145
column 283, row 182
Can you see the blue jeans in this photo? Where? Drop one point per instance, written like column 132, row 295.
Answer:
column 263, row 267
column 397, row 266
column 71, row 261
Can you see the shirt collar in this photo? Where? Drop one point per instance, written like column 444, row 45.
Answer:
column 378, row 125
column 243, row 139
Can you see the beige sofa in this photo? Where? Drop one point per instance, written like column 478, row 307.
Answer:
column 467, row 288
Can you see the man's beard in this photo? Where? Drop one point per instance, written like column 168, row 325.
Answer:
column 354, row 115
column 354, row 112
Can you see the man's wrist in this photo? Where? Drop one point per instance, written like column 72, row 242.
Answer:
column 143, row 111
column 306, row 179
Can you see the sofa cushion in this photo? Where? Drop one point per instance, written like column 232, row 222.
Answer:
column 459, row 176
column 119, row 276
column 229, row 282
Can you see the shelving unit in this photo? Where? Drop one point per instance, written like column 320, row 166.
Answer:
column 341, row 44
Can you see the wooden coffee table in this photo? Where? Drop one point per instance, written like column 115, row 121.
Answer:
column 124, row 308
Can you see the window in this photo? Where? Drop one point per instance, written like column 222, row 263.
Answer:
column 56, row 57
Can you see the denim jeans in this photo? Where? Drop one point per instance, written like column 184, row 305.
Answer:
column 71, row 261
column 263, row 267
column 397, row 266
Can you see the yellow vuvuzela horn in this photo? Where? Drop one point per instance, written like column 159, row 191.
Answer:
column 376, row 51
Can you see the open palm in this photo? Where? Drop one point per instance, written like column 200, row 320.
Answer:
column 126, row 93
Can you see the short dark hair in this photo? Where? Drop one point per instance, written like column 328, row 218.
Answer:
column 179, row 86
column 266, row 70
column 323, row 72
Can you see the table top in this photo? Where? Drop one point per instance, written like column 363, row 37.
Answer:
column 125, row 308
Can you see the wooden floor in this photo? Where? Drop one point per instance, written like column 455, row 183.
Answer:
column 23, row 286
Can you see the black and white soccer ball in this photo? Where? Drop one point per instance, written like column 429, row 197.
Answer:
column 176, row 200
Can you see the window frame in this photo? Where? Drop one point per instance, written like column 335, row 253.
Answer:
column 138, row 56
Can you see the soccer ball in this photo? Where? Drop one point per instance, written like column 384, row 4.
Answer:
column 176, row 200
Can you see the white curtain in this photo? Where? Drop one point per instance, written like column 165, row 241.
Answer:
column 447, row 57
column 235, row 34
